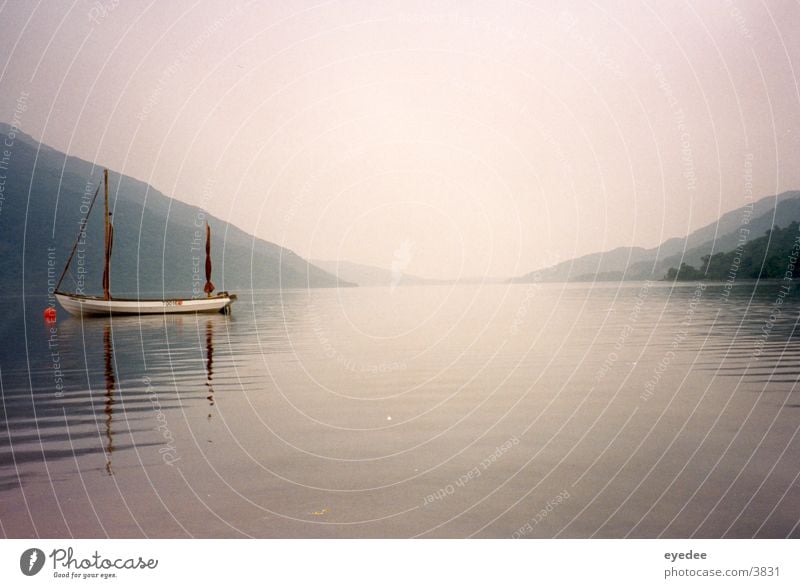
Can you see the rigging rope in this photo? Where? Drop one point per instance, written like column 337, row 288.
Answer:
column 84, row 222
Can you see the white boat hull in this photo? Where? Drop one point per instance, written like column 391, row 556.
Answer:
column 91, row 305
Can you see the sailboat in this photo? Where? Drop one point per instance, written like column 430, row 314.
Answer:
column 79, row 304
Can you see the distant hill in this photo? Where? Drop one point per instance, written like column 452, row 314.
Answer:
column 589, row 267
column 154, row 235
column 372, row 276
column 367, row 275
column 636, row 263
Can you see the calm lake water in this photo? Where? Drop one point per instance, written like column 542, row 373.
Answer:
column 550, row 410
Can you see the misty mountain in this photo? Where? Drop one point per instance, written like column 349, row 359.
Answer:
column 372, row 276
column 158, row 241
column 367, row 275
column 635, row 263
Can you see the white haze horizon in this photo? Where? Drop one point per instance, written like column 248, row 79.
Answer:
column 475, row 140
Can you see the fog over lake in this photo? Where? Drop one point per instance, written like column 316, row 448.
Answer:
column 464, row 411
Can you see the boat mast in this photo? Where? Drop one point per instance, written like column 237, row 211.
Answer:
column 209, row 287
column 107, row 248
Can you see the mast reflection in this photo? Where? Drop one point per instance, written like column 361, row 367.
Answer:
column 111, row 384
column 210, row 362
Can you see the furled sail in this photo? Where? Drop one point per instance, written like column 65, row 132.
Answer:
column 209, row 287
column 107, row 266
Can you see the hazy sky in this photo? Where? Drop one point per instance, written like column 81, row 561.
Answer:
column 469, row 138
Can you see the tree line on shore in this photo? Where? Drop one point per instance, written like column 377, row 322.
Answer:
column 770, row 256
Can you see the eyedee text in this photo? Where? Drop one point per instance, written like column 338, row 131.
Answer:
column 687, row 555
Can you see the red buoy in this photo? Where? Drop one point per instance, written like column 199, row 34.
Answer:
column 50, row 314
